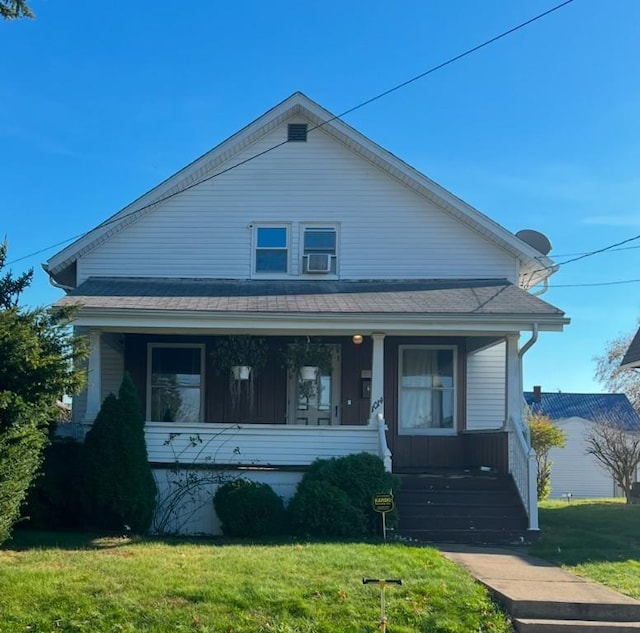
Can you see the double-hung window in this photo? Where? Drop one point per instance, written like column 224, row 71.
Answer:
column 319, row 249
column 271, row 249
column 426, row 389
column 175, row 383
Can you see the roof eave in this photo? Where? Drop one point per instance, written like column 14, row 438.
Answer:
column 354, row 321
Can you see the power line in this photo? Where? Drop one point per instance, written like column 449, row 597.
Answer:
column 338, row 116
column 596, row 283
column 580, row 257
column 625, row 248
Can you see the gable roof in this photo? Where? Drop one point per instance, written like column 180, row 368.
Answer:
column 614, row 408
column 535, row 267
column 631, row 359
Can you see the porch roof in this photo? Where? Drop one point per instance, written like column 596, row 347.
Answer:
column 428, row 296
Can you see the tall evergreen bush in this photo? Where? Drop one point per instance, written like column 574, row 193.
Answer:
column 119, row 486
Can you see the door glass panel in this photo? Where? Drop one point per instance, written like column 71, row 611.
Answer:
column 316, row 402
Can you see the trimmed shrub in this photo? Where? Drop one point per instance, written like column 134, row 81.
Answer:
column 359, row 477
column 119, row 486
column 249, row 509
column 320, row 509
column 54, row 501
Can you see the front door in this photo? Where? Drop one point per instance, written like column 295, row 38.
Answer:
column 316, row 402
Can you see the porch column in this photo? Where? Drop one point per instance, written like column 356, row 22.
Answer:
column 514, row 381
column 94, row 377
column 377, row 378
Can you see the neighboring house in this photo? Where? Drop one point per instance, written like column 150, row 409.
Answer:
column 631, row 359
column 323, row 235
column 575, row 472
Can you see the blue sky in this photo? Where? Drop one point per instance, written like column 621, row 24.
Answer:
column 99, row 102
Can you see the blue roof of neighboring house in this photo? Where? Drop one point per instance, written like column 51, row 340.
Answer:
column 597, row 407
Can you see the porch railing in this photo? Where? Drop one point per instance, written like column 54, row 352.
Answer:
column 383, row 447
column 522, row 466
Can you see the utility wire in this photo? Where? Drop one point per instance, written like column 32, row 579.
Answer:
column 431, row 70
column 583, row 256
column 596, row 283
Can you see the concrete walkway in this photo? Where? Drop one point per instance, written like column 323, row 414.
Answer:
column 543, row 598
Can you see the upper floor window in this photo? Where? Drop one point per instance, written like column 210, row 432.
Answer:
column 272, row 249
column 319, row 250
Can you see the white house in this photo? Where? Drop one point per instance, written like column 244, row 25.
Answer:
column 574, row 472
column 300, row 228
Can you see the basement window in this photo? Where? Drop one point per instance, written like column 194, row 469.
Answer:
column 297, row 132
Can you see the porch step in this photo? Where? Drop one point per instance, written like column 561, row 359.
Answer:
column 530, row 625
column 467, row 536
column 461, row 507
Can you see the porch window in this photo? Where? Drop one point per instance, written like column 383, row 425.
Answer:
column 426, row 386
column 271, row 249
column 175, row 384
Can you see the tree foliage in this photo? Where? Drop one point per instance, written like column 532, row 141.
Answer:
column 612, row 376
column 617, row 450
column 119, row 486
column 544, row 436
column 39, row 355
column 13, row 9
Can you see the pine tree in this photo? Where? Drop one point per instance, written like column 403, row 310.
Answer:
column 37, row 359
column 120, row 490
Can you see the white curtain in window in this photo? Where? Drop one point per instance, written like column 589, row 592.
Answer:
column 426, row 389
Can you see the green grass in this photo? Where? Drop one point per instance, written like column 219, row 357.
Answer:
column 597, row 539
column 66, row 582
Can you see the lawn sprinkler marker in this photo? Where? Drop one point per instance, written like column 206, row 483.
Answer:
column 382, row 583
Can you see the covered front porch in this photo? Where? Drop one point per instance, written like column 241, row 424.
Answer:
column 425, row 374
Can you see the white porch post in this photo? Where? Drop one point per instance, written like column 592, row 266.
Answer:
column 377, row 397
column 377, row 377
column 94, row 377
column 514, row 381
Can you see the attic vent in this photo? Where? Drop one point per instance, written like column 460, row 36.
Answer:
column 297, row 132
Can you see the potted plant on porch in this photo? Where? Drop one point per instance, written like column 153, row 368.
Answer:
column 308, row 359
column 241, row 357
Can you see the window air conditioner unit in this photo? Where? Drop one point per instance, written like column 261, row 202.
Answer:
column 317, row 263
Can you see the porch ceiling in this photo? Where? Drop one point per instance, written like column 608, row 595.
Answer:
column 453, row 300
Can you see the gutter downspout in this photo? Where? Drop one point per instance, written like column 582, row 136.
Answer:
column 532, row 466
column 530, row 343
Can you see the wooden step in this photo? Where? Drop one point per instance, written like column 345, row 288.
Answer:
column 529, row 625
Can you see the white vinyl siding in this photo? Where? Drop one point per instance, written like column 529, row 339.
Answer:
column 486, row 388
column 387, row 230
column 572, row 470
column 112, row 357
column 257, row 444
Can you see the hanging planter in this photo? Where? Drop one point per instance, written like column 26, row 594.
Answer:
column 241, row 372
column 308, row 358
column 309, row 372
column 241, row 358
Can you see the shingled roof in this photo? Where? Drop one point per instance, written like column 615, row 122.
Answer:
column 613, row 408
column 631, row 358
column 475, row 296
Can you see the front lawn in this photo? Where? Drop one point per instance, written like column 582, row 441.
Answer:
column 597, row 539
column 65, row 582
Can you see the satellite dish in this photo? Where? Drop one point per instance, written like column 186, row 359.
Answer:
column 535, row 239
